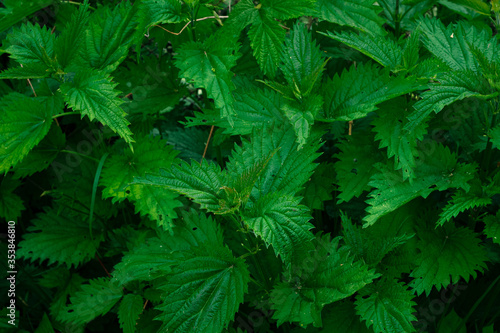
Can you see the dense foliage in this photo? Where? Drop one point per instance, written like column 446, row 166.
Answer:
column 251, row 166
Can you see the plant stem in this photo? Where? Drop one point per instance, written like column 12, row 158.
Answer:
column 65, row 114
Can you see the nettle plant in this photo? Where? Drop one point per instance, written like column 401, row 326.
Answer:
column 252, row 166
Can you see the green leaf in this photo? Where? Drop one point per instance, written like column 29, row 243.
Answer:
column 387, row 305
column 478, row 6
column 129, row 311
column 437, row 170
column 108, row 37
column 150, row 154
column 302, row 61
column 281, row 222
column 319, row 188
column 383, row 50
column 447, row 254
column 492, row 228
column 17, row 10
column 92, row 93
column 266, row 36
column 460, row 202
column 24, row 121
column 453, row 86
column 153, row 12
column 94, row 299
column 31, row 71
column 358, row 14
column 370, row 86
column 200, row 182
column 68, row 43
column 31, row 44
column 45, row 325
column 494, row 135
column 243, row 14
column 207, row 65
column 323, row 278
column 288, row 9
column 62, row 238
column 357, row 159
column 400, row 143
column 11, row 204
column 301, row 116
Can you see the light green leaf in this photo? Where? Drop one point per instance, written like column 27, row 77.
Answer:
column 63, row 239
column 281, row 222
column 328, row 276
column 94, row 299
column 208, row 65
column 266, row 38
column 447, row 254
column 358, row 14
column 129, row 311
column 437, row 170
column 24, row 121
column 93, row 94
column 388, row 306
column 369, row 86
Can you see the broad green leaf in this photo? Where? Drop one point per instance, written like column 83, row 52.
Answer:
column 257, row 107
column 387, row 305
column 62, row 238
column 153, row 12
column 288, row 9
column 492, row 227
column 24, row 121
column 200, row 182
column 150, row 154
column 331, row 274
column 462, row 201
column 301, row 116
column 494, row 135
column 68, row 43
column 129, row 311
column 357, row 159
column 447, row 254
column 453, row 86
column 438, row 169
column 31, row 44
column 266, row 36
column 478, row 6
column 31, row 71
column 207, row 65
column 383, row 50
column 400, row 143
column 108, row 36
column 243, row 14
column 302, row 61
column 17, row 10
column 369, row 86
column 281, row 222
column 94, row 299
column 11, row 204
column 93, row 94
column 358, row 14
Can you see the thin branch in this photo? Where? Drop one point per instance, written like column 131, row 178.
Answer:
column 208, row 141
column 185, row 26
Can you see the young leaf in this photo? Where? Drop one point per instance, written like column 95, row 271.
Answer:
column 63, row 239
column 370, row 86
column 92, row 93
column 95, row 299
column 446, row 254
column 440, row 171
column 358, row 14
column 328, row 276
column 129, row 311
column 387, row 305
column 208, row 65
column 383, row 50
column 150, row 154
column 24, row 121
column 281, row 222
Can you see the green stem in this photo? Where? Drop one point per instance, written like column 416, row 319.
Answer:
column 64, row 114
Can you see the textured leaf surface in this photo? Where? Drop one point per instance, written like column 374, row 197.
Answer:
column 95, row 299
column 359, row 14
column 329, row 276
column 281, row 222
column 492, row 228
column 440, row 171
column 129, row 311
column 62, row 239
column 208, row 65
column 24, row 121
column 370, row 86
column 460, row 202
column 93, row 94
column 31, row 71
column 388, row 306
column 446, row 254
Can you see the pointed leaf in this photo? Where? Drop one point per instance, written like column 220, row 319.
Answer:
column 129, row 311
